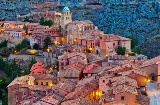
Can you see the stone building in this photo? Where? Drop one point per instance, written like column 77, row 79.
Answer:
column 110, row 42
column 71, row 58
column 76, row 29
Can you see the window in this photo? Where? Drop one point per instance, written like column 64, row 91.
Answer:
column 116, row 74
column 41, row 83
column 118, row 42
column 113, row 44
column 36, row 83
column 122, row 97
column 47, row 83
column 103, row 81
column 24, row 93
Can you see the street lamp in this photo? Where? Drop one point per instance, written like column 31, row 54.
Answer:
column 48, row 50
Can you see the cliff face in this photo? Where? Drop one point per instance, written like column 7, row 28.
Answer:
column 140, row 20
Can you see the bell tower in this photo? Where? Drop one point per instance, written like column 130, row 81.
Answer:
column 66, row 17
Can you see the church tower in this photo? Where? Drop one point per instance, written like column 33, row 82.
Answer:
column 66, row 17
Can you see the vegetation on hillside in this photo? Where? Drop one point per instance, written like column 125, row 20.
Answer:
column 46, row 22
column 24, row 44
column 47, row 42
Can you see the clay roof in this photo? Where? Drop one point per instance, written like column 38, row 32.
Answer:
column 94, row 58
column 20, row 80
column 143, row 100
column 125, row 88
column 112, row 37
column 78, row 66
column 80, row 101
column 155, row 60
column 136, row 71
column 117, row 57
column 54, row 98
column 68, row 86
column 119, row 80
column 88, row 80
column 70, row 73
column 14, row 29
column 38, row 68
column 43, row 76
column 38, row 87
column 92, row 68
column 81, row 91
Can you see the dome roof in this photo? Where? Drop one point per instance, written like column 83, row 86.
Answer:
column 66, row 9
column 38, row 68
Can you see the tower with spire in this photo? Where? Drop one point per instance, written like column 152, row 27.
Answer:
column 66, row 17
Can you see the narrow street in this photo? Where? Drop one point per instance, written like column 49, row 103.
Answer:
column 153, row 93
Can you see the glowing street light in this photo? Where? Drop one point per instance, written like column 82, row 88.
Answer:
column 56, row 42
column 15, row 52
column 32, row 51
column 48, row 50
column 106, row 55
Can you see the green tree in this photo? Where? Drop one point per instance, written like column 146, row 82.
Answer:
column 26, row 19
column 5, row 52
column 48, row 23
column 36, row 46
column 25, row 43
column 121, row 50
column 134, row 41
column 33, row 61
column 3, row 44
column 25, row 28
column 18, row 47
column 42, row 22
column 47, row 41
column 136, row 49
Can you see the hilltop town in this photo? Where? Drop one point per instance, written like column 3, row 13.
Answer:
column 139, row 18
column 48, row 58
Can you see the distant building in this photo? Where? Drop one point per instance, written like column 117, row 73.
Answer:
column 58, row 18
column 76, row 29
column 66, row 17
column 39, row 33
column 36, row 84
column 109, row 43
column 71, row 58
column 152, row 67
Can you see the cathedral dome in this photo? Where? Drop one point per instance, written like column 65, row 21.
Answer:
column 66, row 9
